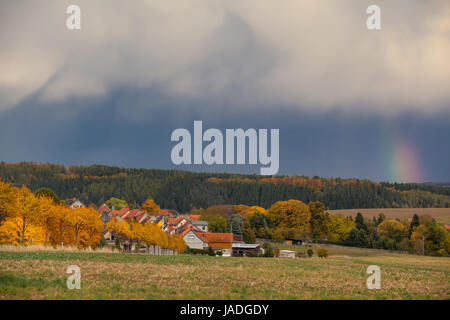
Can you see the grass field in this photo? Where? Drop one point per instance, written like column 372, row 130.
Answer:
column 41, row 275
column 441, row 215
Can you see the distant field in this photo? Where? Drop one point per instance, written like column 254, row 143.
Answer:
column 41, row 275
column 440, row 214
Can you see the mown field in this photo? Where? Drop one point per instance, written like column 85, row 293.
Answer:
column 441, row 215
column 42, row 275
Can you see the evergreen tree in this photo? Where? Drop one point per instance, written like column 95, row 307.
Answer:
column 414, row 223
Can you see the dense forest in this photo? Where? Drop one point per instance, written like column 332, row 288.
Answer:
column 184, row 191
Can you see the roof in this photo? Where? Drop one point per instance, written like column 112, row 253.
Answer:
column 287, row 251
column 190, row 228
column 194, row 217
column 245, row 245
column 104, row 208
column 215, row 237
column 70, row 202
column 166, row 212
column 447, row 226
column 199, row 223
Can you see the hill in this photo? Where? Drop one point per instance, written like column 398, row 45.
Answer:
column 183, row 190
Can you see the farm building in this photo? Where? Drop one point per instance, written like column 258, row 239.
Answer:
column 293, row 242
column 287, row 254
column 239, row 249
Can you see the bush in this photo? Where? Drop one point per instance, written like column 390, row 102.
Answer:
column 211, row 252
column 197, row 251
column 117, row 244
column 276, row 252
column 268, row 250
column 102, row 242
column 219, row 253
column 248, row 236
column 441, row 253
column 310, row 253
column 251, row 254
column 322, row 252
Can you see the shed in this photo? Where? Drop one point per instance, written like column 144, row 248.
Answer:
column 239, row 249
column 287, row 254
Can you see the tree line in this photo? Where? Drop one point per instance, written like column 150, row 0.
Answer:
column 41, row 218
column 184, row 191
column 293, row 219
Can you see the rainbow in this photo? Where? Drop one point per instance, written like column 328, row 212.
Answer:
column 401, row 157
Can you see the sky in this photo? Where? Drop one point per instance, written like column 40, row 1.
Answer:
column 348, row 101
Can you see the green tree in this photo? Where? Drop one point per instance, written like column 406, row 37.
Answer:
column 49, row 193
column 216, row 223
column 381, row 218
column 360, row 223
column 268, row 250
column 414, row 223
column 116, row 204
column 320, row 220
column 357, row 238
column 236, row 223
column 248, row 236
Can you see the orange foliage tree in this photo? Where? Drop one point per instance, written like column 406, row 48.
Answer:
column 150, row 206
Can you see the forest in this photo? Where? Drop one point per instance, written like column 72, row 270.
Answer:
column 185, row 191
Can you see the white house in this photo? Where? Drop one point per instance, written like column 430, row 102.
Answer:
column 74, row 203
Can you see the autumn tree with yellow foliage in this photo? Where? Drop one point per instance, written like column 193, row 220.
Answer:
column 150, row 206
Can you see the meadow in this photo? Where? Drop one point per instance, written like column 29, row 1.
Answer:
column 41, row 274
column 441, row 215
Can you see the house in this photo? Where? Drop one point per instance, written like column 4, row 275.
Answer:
column 197, row 239
column 241, row 249
column 74, row 203
column 193, row 240
column 103, row 209
column 293, row 242
column 217, row 241
column 287, row 254
column 202, row 225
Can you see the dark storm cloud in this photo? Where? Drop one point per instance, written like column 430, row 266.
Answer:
column 326, row 144
column 113, row 92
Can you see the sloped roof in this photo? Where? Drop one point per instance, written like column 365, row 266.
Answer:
column 104, row 208
column 194, row 217
column 216, row 237
column 199, row 223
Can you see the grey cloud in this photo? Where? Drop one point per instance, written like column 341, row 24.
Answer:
column 315, row 55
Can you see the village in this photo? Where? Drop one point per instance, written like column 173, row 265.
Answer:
column 189, row 227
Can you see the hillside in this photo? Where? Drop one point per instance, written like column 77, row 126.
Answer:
column 183, row 190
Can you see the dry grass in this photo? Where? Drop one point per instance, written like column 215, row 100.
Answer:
column 440, row 214
column 41, row 275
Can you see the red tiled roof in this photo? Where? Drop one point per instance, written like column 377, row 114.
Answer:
column 447, row 226
column 186, row 230
column 215, row 237
column 166, row 212
column 122, row 211
column 195, row 217
column 103, row 209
